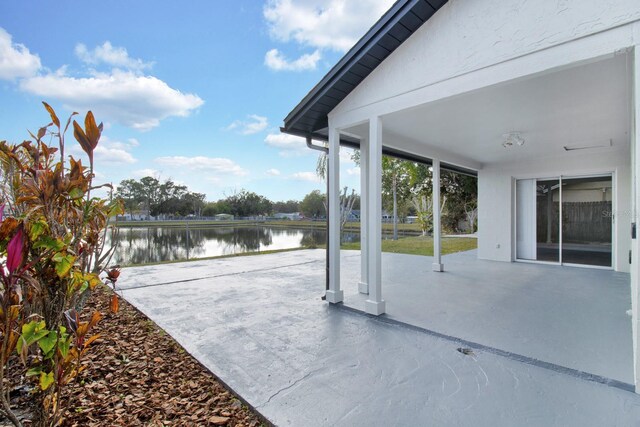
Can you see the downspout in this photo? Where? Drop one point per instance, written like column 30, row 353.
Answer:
column 326, row 151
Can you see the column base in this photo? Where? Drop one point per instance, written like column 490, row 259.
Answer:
column 334, row 297
column 438, row 267
column 363, row 288
column 374, row 307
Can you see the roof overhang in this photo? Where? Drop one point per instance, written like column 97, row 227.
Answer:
column 310, row 117
column 351, row 142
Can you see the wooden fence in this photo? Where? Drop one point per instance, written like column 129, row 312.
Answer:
column 582, row 222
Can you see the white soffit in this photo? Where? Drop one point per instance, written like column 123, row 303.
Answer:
column 587, row 105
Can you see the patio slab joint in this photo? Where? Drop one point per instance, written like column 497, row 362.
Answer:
column 586, row 376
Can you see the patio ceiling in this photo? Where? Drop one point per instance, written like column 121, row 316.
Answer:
column 586, row 105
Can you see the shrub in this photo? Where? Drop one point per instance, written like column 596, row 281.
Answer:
column 52, row 242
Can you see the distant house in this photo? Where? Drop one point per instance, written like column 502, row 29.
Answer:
column 136, row 215
column 539, row 100
column 412, row 219
column 223, row 217
column 294, row 216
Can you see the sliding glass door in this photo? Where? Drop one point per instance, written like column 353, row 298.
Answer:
column 586, row 220
column 564, row 220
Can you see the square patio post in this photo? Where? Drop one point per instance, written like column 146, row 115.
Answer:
column 375, row 304
column 437, row 229
column 635, row 244
column 334, row 294
column 363, row 285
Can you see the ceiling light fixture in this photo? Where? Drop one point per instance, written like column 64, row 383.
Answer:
column 512, row 138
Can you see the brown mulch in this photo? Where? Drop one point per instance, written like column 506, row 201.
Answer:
column 137, row 375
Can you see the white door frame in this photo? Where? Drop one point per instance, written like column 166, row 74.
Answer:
column 560, row 178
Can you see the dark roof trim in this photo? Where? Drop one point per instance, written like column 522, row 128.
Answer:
column 391, row 30
column 387, row 151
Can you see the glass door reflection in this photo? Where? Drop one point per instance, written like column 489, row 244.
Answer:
column 586, row 222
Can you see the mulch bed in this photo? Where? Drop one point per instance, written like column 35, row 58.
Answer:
column 137, row 375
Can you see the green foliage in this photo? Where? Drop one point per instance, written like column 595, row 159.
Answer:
column 312, row 206
column 156, row 198
column 247, row 203
column 51, row 251
column 289, row 206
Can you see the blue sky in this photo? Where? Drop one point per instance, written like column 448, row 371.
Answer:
column 192, row 91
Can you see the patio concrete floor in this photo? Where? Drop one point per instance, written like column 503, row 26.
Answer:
column 258, row 323
column 569, row 316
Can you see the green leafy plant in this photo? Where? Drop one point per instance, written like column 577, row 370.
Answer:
column 53, row 244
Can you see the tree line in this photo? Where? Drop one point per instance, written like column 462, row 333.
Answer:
column 407, row 189
column 149, row 196
column 156, row 198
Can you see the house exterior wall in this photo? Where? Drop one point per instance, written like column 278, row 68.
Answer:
column 474, row 44
column 496, row 199
column 465, row 36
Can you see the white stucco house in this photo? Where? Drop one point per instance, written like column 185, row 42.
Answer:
column 540, row 100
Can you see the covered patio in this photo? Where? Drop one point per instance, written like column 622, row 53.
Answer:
column 545, row 112
column 541, row 314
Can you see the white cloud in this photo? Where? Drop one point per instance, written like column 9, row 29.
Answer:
column 113, row 56
column 323, row 24
column 306, row 176
column 275, row 60
column 141, row 173
column 133, row 100
column 110, row 152
column 353, row 171
column 289, row 145
column 273, row 172
column 114, row 155
column 15, row 59
column 345, row 156
column 214, row 165
column 254, row 124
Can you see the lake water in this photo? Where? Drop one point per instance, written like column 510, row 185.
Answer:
column 140, row 245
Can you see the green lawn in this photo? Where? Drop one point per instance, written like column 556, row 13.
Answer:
column 420, row 245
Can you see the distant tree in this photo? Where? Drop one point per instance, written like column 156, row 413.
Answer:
column 150, row 187
column 458, row 192
column 356, row 202
column 130, row 191
column 396, row 189
column 424, row 211
column 224, row 207
column 248, row 203
column 471, row 213
column 346, row 206
column 166, row 198
column 462, row 191
column 169, row 199
column 312, row 206
column 210, row 209
column 193, row 203
column 286, row 207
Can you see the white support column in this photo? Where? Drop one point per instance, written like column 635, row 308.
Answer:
column 635, row 244
column 334, row 294
column 363, row 285
column 375, row 304
column 437, row 229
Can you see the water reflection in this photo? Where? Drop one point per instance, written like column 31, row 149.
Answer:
column 141, row 245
